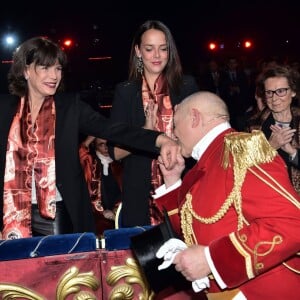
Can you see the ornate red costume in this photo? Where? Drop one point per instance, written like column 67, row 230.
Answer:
column 238, row 201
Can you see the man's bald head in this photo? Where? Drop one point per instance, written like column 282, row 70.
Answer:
column 195, row 116
column 209, row 104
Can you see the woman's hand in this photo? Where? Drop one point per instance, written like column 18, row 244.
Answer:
column 171, row 176
column 169, row 149
column 281, row 138
column 151, row 115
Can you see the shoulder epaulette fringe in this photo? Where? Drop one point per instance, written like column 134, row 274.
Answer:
column 247, row 149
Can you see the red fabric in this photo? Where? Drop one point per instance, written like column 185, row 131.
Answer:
column 42, row 275
column 170, row 203
column 30, row 148
column 159, row 95
column 272, row 236
column 92, row 174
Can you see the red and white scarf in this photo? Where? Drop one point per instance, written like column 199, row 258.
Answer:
column 30, row 151
column 160, row 95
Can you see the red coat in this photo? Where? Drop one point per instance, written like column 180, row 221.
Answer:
column 270, row 236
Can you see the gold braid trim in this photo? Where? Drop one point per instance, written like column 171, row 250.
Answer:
column 247, row 150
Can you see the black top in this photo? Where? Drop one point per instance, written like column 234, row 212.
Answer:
column 128, row 107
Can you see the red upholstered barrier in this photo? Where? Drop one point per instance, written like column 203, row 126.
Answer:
column 99, row 274
column 72, row 267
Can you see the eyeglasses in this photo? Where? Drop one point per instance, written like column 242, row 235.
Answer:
column 281, row 92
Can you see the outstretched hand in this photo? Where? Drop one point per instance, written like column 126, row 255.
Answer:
column 169, row 150
column 172, row 175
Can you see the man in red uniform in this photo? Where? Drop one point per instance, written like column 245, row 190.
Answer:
column 237, row 210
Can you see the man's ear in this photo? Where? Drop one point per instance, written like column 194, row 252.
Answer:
column 195, row 117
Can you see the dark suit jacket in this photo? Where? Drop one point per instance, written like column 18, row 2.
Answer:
column 72, row 117
column 128, row 107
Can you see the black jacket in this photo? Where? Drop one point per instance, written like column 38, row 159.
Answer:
column 128, row 107
column 72, row 117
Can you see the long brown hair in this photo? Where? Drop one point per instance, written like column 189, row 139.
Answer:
column 173, row 69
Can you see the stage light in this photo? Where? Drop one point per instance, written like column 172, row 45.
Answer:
column 248, row 44
column 10, row 40
column 212, row 46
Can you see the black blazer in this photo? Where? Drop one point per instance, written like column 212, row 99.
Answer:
column 73, row 117
column 128, row 107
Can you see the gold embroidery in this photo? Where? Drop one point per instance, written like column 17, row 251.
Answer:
column 243, row 252
column 173, row 212
column 277, row 239
column 291, row 268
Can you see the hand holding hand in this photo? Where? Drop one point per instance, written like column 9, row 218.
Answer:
column 172, row 175
column 169, row 150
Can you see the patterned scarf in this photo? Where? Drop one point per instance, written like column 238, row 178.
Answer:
column 30, row 152
column 160, row 95
column 92, row 174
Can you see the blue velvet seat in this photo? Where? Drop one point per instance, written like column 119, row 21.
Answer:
column 47, row 245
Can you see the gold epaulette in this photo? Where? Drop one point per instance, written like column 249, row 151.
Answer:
column 247, row 149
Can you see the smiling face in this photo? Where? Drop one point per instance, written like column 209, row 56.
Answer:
column 154, row 51
column 42, row 80
column 278, row 103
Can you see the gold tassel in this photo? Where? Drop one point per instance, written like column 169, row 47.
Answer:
column 247, row 149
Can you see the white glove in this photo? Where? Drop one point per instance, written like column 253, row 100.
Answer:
column 168, row 252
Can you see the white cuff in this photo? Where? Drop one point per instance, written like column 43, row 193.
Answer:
column 162, row 190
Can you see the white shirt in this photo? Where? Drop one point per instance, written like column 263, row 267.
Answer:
column 105, row 161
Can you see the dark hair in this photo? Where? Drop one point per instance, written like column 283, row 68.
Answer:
column 39, row 51
column 173, row 69
column 286, row 71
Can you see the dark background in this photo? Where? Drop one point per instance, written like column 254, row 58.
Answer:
column 106, row 28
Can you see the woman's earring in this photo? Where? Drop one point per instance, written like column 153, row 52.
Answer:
column 140, row 65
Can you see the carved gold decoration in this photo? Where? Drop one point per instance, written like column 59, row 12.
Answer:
column 71, row 280
column 131, row 274
column 68, row 284
column 14, row 291
column 84, row 295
